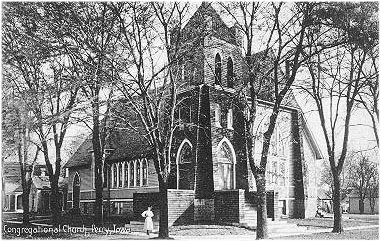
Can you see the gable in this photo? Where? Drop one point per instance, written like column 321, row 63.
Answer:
column 206, row 21
column 310, row 139
column 82, row 155
column 122, row 142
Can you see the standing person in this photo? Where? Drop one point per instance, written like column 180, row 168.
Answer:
column 148, row 224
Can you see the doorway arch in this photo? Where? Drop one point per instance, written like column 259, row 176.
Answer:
column 226, row 162
column 185, row 166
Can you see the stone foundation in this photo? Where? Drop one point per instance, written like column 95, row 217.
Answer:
column 234, row 206
column 204, row 210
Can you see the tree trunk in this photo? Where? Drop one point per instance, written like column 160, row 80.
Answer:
column 361, row 206
column 25, row 207
column 372, row 203
column 98, row 163
column 98, row 194
column 337, row 219
column 262, row 229
column 55, row 206
column 163, row 222
column 24, row 179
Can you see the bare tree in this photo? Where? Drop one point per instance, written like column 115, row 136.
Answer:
column 151, row 88
column 336, row 78
column 370, row 93
column 36, row 69
column 326, row 179
column 17, row 142
column 89, row 35
column 362, row 178
column 283, row 46
column 373, row 191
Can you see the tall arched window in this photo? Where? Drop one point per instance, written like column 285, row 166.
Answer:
column 137, row 176
column 217, row 70
column 226, row 165
column 132, row 173
column 185, row 166
column 115, row 175
column 144, row 172
column 229, row 68
column 126, row 176
column 120, row 174
column 76, row 191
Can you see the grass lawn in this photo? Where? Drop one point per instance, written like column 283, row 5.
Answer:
column 370, row 234
column 328, row 222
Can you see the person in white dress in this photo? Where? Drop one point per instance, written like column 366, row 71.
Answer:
column 148, row 224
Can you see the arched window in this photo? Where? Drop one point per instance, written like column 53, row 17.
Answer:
column 137, row 176
column 229, row 68
column 120, row 172
column 145, row 172
column 126, row 176
column 217, row 70
column 282, row 172
column 132, row 173
column 226, row 165
column 76, row 191
column 274, row 172
column 217, row 115
column 115, row 175
column 229, row 119
column 185, row 166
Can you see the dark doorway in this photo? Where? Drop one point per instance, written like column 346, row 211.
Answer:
column 270, row 204
column 19, row 202
column 12, row 205
column 76, row 192
column 46, row 202
column 186, row 168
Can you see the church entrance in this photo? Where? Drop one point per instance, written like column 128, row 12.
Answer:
column 270, row 204
column 185, row 167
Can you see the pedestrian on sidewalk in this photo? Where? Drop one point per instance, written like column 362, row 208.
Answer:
column 148, row 224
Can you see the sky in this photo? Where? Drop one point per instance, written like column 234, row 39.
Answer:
column 361, row 137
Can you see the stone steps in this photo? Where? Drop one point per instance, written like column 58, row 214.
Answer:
column 278, row 226
column 138, row 226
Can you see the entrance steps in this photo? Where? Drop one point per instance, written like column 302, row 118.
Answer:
column 278, row 226
column 138, row 226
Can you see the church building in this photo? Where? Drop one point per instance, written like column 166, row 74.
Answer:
column 210, row 180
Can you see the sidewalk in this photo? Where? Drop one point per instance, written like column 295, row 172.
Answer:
column 271, row 235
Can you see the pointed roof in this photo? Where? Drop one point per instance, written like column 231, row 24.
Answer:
column 206, row 21
column 123, row 141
